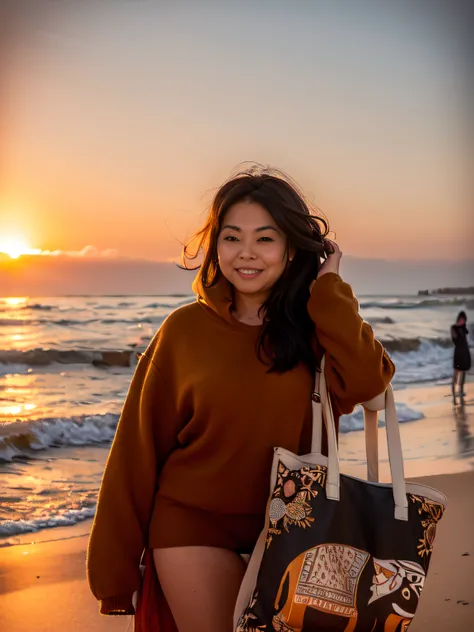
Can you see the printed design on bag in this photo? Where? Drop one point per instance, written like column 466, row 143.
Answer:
column 394, row 623
column 430, row 514
column 289, row 505
column 326, row 578
column 248, row 621
column 402, row 576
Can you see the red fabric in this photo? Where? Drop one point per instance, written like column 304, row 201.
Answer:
column 152, row 613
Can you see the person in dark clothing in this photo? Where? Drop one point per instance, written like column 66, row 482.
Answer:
column 462, row 355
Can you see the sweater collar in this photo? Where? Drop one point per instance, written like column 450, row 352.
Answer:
column 219, row 299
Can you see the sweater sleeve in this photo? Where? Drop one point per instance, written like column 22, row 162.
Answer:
column 146, row 434
column 357, row 366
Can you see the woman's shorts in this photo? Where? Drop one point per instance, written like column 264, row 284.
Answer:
column 174, row 525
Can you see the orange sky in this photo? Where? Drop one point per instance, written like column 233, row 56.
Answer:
column 120, row 118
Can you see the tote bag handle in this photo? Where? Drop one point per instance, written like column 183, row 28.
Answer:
column 371, row 423
column 322, row 412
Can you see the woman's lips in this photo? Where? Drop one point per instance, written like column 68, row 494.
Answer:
column 248, row 273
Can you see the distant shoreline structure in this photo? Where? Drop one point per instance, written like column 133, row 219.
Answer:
column 447, row 290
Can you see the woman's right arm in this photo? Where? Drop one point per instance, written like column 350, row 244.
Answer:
column 146, row 434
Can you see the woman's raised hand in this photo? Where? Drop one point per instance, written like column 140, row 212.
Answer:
column 332, row 262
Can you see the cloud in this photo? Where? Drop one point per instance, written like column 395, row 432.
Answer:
column 88, row 251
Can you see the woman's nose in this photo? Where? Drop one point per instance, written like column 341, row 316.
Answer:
column 246, row 250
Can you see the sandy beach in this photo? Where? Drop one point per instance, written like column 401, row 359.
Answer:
column 43, row 585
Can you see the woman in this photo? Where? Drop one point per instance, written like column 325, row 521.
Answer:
column 462, row 355
column 225, row 380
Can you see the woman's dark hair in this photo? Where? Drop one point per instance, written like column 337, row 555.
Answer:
column 286, row 336
column 462, row 314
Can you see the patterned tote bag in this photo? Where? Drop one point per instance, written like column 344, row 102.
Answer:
column 338, row 552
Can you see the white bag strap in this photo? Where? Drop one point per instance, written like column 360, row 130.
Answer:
column 317, row 432
column 371, row 428
column 333, row 478
column 370, row 424
column 393, row 442
column 395, row 456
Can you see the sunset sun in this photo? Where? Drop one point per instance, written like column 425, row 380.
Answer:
column 14, row 247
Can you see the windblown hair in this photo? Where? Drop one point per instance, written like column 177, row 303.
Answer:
column 287, row 332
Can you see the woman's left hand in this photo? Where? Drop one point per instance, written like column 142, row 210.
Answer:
column 332, row 262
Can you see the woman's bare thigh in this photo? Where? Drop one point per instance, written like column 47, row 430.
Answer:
column 201, row 585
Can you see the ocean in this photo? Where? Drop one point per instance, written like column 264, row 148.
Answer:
column 65, row 368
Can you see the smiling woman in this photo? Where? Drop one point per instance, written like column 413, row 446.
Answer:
column 14, row 247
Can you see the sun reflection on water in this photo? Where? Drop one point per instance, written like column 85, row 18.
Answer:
column 13, row 410
column 16, row 301
column 16, row 395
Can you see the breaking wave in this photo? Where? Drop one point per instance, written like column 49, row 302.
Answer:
column 64, row 517
column 404, row 345
column 45, row 357
column 25, row 438
column 418, row 304
column 355, row 421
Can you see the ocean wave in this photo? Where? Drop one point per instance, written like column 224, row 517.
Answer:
column 65, row 322
column 468, row 303
column 103, row 321
column 154, row 305
column 59, row 518
column 24, row 438
column 19, row 322
column 428, row 363
column 123, row 305
column 41, row 307
column 405, row 345
column 131, row 321
column 383, row 320
column 411, row 350
column 45, row 357
column 128, row 357
column 13, row 369
column 355, row 421
column 38, row 306
column 169, row 305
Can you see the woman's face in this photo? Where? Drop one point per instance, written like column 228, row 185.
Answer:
column 251, row 249
column 461, row 320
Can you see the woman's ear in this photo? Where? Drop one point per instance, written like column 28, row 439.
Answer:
column 291, row 254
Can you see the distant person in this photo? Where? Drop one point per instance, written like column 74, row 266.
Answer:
column 462, row 355
column 225, row 380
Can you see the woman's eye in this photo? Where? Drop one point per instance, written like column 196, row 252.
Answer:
column 233, row 238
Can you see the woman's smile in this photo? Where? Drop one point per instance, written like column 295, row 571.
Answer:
column 248, row 273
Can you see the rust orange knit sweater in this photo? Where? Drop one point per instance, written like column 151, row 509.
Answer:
column 202, row 417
